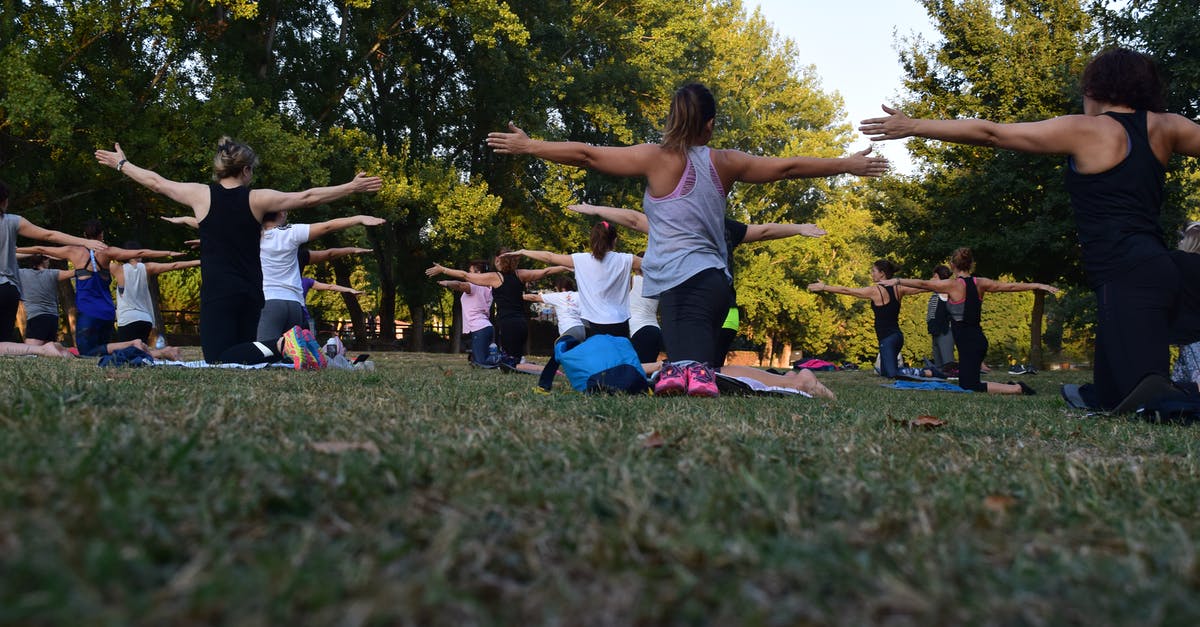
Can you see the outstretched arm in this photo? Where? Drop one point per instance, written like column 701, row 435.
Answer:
column 319, row 256
column 340, row 224
column 121, row 254
column 858, row 292
column 544, row 257
column 456, row 286
column 183, row 221
column 193, row 195
column 28, row 229
column 537, row 275
column 941, row 286
column 533, row 298
column 988, row 285
column 735, row 165
column 763, row 232
column 330, row 287
column 263, row 201
column 614, row 160
column 486, row 279
column 1068, row 134
column 53, row 252
column 627, row 218
column 159, row 268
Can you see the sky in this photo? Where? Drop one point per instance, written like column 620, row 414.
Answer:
column 852, row 45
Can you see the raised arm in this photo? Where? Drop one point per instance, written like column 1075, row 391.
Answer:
column 486, row 279
column 615, row 160
column 735, row 165
column 627, row 218
column 320, row 256
column 193, row 195
column 183, row 221
column 1185, row 134
column 340, row 224
column 527, row 275
column 330, row 287
column 54, row 252
column 858, row 292
column 159, row 268
column 544, row 257
column 951, row 286
column 264, row 201
column 988, row 285
column 1066, row 135
column 772, row 230
column 122, row 254
column 456, row 286
column 28, row 229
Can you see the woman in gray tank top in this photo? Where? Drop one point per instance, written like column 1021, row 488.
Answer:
column 686, row 185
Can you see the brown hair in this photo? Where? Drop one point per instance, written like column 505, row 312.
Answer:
column 941, row 271
column 35, row 261
column 886, row 267
column 93, row 229
column 1120, row 76
column 231, row 158
column 504, row 265
column 603, row 238
column 692, row 107
column 962, row 259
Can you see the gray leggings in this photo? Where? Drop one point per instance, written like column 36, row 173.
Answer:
column 278, row 316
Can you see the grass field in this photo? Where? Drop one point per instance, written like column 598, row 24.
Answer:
column 429, row 493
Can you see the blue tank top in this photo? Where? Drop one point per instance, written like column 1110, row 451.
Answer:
column 93, row 297
column 1117, row 211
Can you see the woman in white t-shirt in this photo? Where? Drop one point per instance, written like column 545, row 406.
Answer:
column 602, row 277
column 565, row 301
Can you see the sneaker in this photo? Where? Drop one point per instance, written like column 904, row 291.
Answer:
column 1151, row 388
column 701, row 381
column 297, row 349
column 671, row 380
column 1017, row 369
column 315, row 347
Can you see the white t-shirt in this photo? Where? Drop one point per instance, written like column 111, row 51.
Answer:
column 280, row 269
column 566, row 309
column 603, row 286
column 643, row 312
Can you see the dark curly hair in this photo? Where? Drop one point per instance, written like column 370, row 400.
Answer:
column 1120, row 76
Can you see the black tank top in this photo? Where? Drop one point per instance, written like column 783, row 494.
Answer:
column 229, row 235
column 972, row 305
column 1117, row 211
column 887, row 315
column 509, row 296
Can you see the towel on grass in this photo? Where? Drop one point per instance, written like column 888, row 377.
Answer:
column 929, row 386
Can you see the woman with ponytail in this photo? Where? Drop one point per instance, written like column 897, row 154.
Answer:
column 230, row 217
column 685, row 197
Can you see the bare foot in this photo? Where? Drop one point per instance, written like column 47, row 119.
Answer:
column 806, row 381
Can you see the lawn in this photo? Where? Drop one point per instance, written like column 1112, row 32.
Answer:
column 429, row 493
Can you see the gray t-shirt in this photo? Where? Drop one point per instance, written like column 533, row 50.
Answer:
column 133, row 300
column 40, row 292
column 9, row 271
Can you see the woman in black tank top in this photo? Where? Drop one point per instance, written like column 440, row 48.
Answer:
column 230, row 216
column 1116, row 157
column 508, row 289
column 885, row 303
column 966, row 311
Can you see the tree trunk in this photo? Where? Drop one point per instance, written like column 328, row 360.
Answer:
column 341, row 274
column 456, row 320
column 768, row 351
column 1035, row 329
column 417, row 342
column 785, row 356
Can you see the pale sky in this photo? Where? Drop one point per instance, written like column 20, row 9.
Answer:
column 852, row 45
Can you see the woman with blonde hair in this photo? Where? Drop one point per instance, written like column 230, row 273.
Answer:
column 684, row 201
column 230, row 217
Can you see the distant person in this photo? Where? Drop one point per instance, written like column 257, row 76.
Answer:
column 937, row 322
column 39, row 285
column 476, row 304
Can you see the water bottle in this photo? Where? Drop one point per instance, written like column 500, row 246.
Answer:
column 331, row 348
column 161, row 342
column 493, row 354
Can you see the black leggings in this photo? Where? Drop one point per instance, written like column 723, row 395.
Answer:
column 226, row 322
column 972, row 347
column 619, row 329
column 648, row 343
column 513, row 331
column 692, row 315
column 251, row 353
column 10, row 298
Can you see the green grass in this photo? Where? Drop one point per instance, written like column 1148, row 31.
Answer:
column 179, row 497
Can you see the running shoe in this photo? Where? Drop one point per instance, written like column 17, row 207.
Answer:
column 315, row 349
column 701, row 381
column 296, row 349
column 671, row 380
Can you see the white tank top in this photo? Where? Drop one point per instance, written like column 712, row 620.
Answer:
column 133, row 300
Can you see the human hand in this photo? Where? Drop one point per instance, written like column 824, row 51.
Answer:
column 1050, row 288
column 812, row 230
column 361, row 251
column 96, row 245
column 895, row 125
column 354, row 292
column 111, row 158
column 371, row 220
column 364, row 184
column 194, row 243
column 584, row 208
column 514, row 142
column 861, row 164
column 435, row 270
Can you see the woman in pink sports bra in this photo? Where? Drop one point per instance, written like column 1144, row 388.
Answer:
column 686, row 185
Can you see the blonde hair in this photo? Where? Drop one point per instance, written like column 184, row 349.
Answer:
column 1189, row 241
column 231, row 158
column 692, row 107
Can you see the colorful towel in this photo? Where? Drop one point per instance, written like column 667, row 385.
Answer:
column 931, row 386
